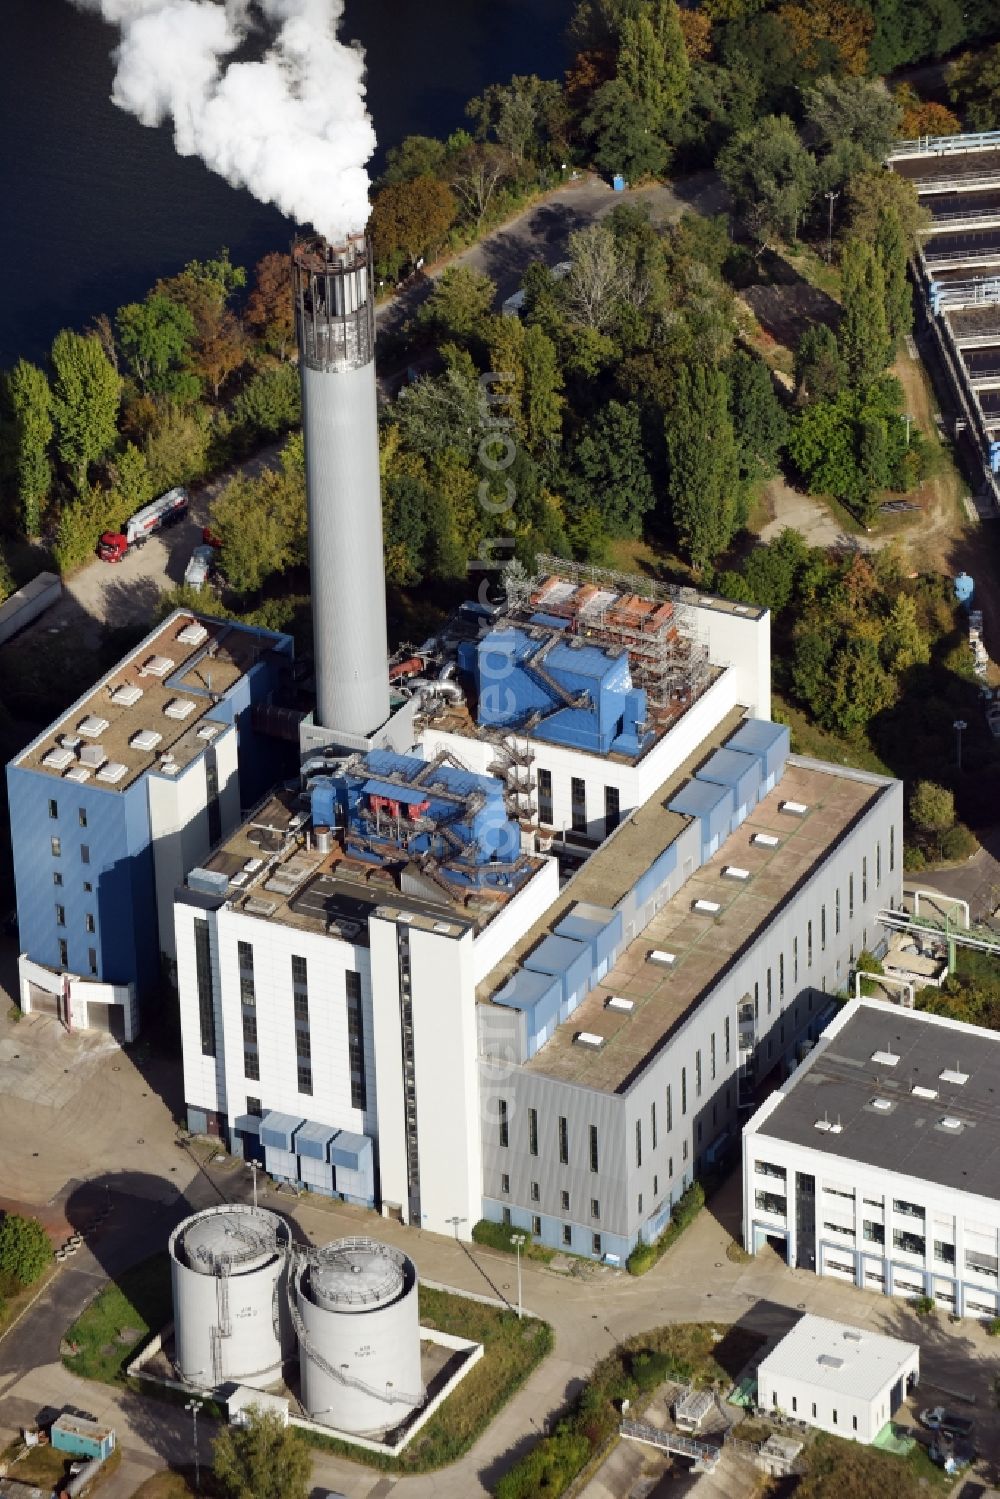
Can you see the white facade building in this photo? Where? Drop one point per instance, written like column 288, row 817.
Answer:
column 877, row 1161
column 844, row 1380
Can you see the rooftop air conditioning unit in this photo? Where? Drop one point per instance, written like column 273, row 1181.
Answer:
column 58, row 759
column 145, row 740
column 192, row 633
column 794, row 809
column 179, row 707
column 92, row 755
column 619, row 1002
column 706, row 907
column 588, row 1038
column 113, row 772
column 93, row 726
column 765, row 840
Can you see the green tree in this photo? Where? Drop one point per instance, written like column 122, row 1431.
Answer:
column 269, row 403
column 415, row 156
column 525, row 383
column 892, row 251
column 442, row 413
column 607, row 473
column 624, row 133
column 177, row 446
column 771, row 176
column 770, row 574
column 459, row 304
column 652, row 59
column 410, row 219
column 265, row 1459
column 853, row 112
column 132, row 483
column 906, row 33
column 875, row 192
column 974, row 87
column 703, row 482
column 6, row 583
column 864, row 338
column 759, row 418
column 25, row 1249
column 904, row 643
column 156, row 336
column 30, row 400
column 819, row 369
column 86, row 393
column 514, row 114
column 268, row 313
column 262, row 521
column 932, row 807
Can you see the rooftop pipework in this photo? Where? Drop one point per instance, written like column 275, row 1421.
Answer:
column 335, row 326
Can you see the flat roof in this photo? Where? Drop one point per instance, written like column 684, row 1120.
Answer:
column 614, row 867
column 705, row 944
column 273, row 871
column 163, row 691
column 841, row 1079
column 834, row 1356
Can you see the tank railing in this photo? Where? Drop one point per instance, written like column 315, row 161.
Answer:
column 326, row 1255
column 385, row 1396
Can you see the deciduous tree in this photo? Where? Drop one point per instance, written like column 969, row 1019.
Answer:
column 932, row 807
column 923, row 116
column 156, row 337
column 703, row 480
column 30, row 400
column 771, row 176
column 262, row 521
column 758, row 417
column 86, row 393
column 853, row 111
column 415, row 156
column 864, row 337
column 892, row 252
column 606, row 470
column 624, row 133
column 828, row 35
column 132, row 483
column 25, row 1248
column 974, row 87
column 477, row 172
column 265, row 1459
column 819, row 369
column 269, row 314
column 410, row 219
column 460, row 303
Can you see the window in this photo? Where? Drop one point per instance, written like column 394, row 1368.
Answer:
column 249, row 1028
column 656, row 1186
column 781, row 977
column 82, row 817
column 578, row 804
column 564, row 1201
column 850, row 897
column 652, row 1125
column 303, row 1044
column 63, row 953
column 595, row 1244
column 505, row 1216
column 697, row 1074
column 795, row 1403
column 535, row 1193
column 684, row 1090
column 638, row 1142
column 726, row 1039
column 504, row 1183
column 253, row 1107
column 214, row 811
column 864, row 879
column 878, row 864
column 251, row 1064
column 84, row 853
column 767, row 1168
column 670, row 1103
column 822, row 928
column 639, row 1207
column 53, row 808
column 612, row 812
column 355, row 1034
column 56, row 846
column 545, row 797
column 563, row 1141
column 594, row 1155
column 567, row 1235
column 88, row 922
column 536, row 1226
column 814, row 1409
column 769, row 991
column 892, row 848
column 771, row 1202
column 670, row 1166
column 56, row 877
column 60, row 915
column 88, row 888
column 533, row 1132
column 854, row 1421
column 795, row 960
column 907, row 1209
column 834, row 1414
column 92, row 959
column 809, row 944
column 909, row 1243
column 206, row 992
column 504, row 1130
column 684, row 1150
column 944, row 1252
column 711, row 1063
column 774, row 1397
column 595, row 1208
column 248, row 991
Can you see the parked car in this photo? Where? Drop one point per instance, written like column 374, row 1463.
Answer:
column 936, row 1418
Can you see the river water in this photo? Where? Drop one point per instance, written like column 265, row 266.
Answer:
column 93, row 206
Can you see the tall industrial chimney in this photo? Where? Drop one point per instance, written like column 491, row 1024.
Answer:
column 335, row 322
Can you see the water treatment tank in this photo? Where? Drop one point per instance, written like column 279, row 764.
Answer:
column 359, row 1336
column 229, row 1268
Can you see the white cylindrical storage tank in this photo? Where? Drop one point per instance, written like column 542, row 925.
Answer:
column 359, row 1336
column 229, row 1269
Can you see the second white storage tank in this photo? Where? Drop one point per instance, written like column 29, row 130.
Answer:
column 359, row 1336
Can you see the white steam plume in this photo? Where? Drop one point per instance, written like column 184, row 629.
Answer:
column 292, row 128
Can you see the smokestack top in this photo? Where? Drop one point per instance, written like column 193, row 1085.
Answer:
column 334, row 313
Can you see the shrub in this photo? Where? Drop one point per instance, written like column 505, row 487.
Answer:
column 269, row 404
column 25, row 1249
column 923, row 1305
column 913, row 858
column 650, row 1369
column 993, row 1327
column 958, row 842
column 499, row 1236
column 548, row 1469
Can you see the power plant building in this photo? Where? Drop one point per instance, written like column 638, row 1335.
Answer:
column 876, row 1163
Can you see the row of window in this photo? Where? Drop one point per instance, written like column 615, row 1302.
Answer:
column 567, row 1233
column 64, row 956
column 88, row 920
column 795, row 1406
column 577, row 804
column 56, row 846
column 57, row 881
column 81, row 812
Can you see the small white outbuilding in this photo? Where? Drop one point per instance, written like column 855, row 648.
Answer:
column 841, row 1379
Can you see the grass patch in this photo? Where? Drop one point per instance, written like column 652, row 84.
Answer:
column 500, row 1235
column 837, row 1469
column 139, row 1303
column 695, row 1352
column 809, row 739
column 168, row 1485
column 42, row 1466
column 686, row 1208
column 512, row 1350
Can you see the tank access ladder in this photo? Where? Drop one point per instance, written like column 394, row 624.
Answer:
column 704, row 1454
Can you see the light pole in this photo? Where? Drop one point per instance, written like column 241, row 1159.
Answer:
column 254, row 1167
column 456, row 1223
column 958, row 726
column 194, row 1406
column 831, row 198
column 518, row 1240
column 908, row 419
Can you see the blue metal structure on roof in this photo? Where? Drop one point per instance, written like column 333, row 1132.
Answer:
column 558, row 689
column 742, row 772
column 398, row 808
column 597, row 926
column 568, row 960
column 771, row 741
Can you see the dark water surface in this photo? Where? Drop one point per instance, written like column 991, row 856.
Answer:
column 93, row 206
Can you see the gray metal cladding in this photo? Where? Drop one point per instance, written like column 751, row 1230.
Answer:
column 340, row 420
